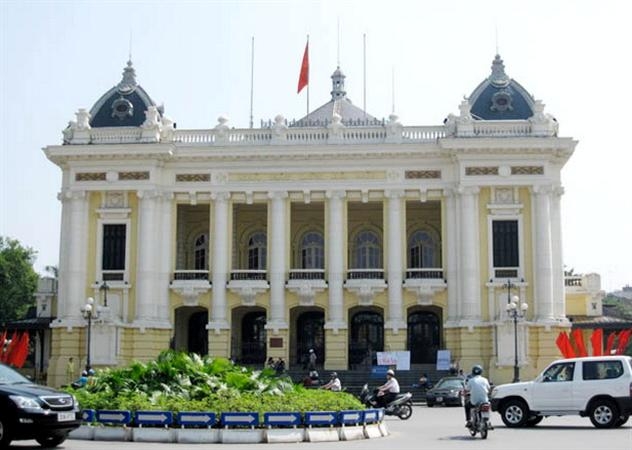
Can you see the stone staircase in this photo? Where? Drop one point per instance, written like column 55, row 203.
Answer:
column 353, row 380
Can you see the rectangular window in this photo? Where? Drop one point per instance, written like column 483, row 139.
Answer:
column 113, row 247
column 505, row 241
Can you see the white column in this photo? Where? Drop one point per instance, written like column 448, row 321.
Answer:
column 395, row 319
column 558, row 260
column 166, row 257
column 73, row 254
column 470, row 294
column 277, row 259
column 451, row 254
column 148, row 261
column 219, row 266
column 543, row 255
column 335, row 259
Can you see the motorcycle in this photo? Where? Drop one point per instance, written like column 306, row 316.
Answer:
column 401, row 406
column 479, row 422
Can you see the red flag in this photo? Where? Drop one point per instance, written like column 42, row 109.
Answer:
column 564, row 344
column 624, row 337
column 303, row 78
column 610, row 343
column 596, row 340
column 578, row 338
column 21, row 352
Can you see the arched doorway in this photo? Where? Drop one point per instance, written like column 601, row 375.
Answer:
column 366, row 337
column 310, row 334
column 252, row 348
column 424, row 336
column 190, row 333
column 198, row 334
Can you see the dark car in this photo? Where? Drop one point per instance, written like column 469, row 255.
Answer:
column 448, row 391
column 31, row 411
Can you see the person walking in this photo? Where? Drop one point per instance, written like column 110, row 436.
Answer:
column 70, row 370
column 311, row 360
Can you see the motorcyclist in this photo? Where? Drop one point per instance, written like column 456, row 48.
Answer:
column 478, row 388
column 334, row 383
column 389, row 390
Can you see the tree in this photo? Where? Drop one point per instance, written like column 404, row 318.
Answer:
column 18, row 279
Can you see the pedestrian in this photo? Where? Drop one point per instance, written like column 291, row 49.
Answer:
column 70, row 370
column 311, row 361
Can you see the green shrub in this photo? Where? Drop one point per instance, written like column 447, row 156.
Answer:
column 177, row 381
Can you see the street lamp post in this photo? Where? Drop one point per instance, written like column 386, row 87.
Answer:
column 516, row 311
column 104, row 287
column 89, row 312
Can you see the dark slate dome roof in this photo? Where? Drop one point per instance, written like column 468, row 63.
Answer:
column 500, row 97
column 122, row 106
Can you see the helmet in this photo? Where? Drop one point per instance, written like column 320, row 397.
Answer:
column 477, row 370
column 390, row 372
column 334, row 375
column 311, row 350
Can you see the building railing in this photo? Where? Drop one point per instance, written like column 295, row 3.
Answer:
column 365, row 274
column 426, row 273
column 307, row 274
column 281, row 134
column 238, row 275
column 573, row 281
column 190, row 275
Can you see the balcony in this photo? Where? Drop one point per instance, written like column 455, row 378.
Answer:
column 248, row 284
column 180, row 275
column 191, row 285
column 306, row 283
column 365, row 274
column 425, row 283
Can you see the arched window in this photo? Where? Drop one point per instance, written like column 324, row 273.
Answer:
column 368, row 252
column 257, row 246
column 312, row 251
column 422, row 250
column 200, row 252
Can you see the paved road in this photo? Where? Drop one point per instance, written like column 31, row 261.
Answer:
column 429, row 428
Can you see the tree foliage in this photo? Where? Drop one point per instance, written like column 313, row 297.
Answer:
column 18, row 279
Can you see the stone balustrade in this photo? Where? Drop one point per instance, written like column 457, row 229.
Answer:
column 224, row 136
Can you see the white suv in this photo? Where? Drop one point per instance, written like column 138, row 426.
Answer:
column 599, row 387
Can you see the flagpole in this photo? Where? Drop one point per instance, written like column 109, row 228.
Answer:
column 364, row 77
column 252, row 75
column 308, row 77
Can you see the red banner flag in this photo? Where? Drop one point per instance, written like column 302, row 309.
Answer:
column 624, row 337
column 596, row 340
column 303, row 78
column 578, row 338
column 21, row 351
column 610, row 343
column 564, row 344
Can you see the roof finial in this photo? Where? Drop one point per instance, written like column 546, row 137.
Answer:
column 498, row 77
column 338, row 46
column 130, row 45
column 128, row 83
column 338, row 84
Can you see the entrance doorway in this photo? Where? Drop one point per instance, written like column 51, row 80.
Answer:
column 366, row 337
column 424, row 335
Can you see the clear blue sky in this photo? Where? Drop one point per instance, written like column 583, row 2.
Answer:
column 194, row 56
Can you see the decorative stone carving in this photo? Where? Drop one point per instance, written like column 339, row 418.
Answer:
column 365, row 290
column 306, row 290
column 152, row 118
column 83, row 120
column 190, row 290
column 279, row 130
column 221, row 129
column 168, row 129
column 114, row 200
column 394, row 129
column 336, row 128
column 424, row 290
